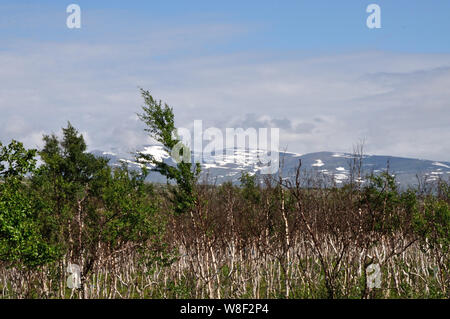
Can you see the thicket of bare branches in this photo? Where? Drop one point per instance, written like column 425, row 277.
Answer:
column 275, row 238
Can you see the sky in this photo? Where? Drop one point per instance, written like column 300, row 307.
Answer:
column 312, row 68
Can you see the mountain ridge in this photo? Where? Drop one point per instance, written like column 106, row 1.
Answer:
column 335, row 165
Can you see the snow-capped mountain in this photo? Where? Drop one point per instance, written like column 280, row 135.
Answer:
column 230, row 164
column 406, row 170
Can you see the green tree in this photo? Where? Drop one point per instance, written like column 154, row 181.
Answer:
column 94, row 211
column 68, row 174
column 21, row 239
column 160, row 123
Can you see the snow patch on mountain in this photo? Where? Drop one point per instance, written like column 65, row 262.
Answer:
column 343, row 155
column 441, row 164
column 109, row 153
column 340, row 178
column 318, row 163
column 158, row 152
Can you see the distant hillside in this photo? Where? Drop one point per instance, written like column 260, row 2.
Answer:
column 334, row 165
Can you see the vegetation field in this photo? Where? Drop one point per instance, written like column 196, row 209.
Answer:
column 269, row 237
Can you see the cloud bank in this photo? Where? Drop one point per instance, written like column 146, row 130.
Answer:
column 398, row 102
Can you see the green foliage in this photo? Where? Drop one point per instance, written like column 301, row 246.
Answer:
column 129, row 213
column 433, row 223
column 67, row 163
column 250, row 189
column 16, row 161
column 21, row 240
column 160, row 124
column 383, row 200
column 65, row 184
column 87, row 206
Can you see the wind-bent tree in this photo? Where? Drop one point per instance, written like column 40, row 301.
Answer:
column 160, row 123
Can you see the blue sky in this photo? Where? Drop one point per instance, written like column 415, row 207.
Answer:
column 410, row 26
column 313, row 66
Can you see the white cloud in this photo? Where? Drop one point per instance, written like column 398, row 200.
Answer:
column 398, row 102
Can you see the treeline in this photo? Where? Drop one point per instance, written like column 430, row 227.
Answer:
column 267, row 238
